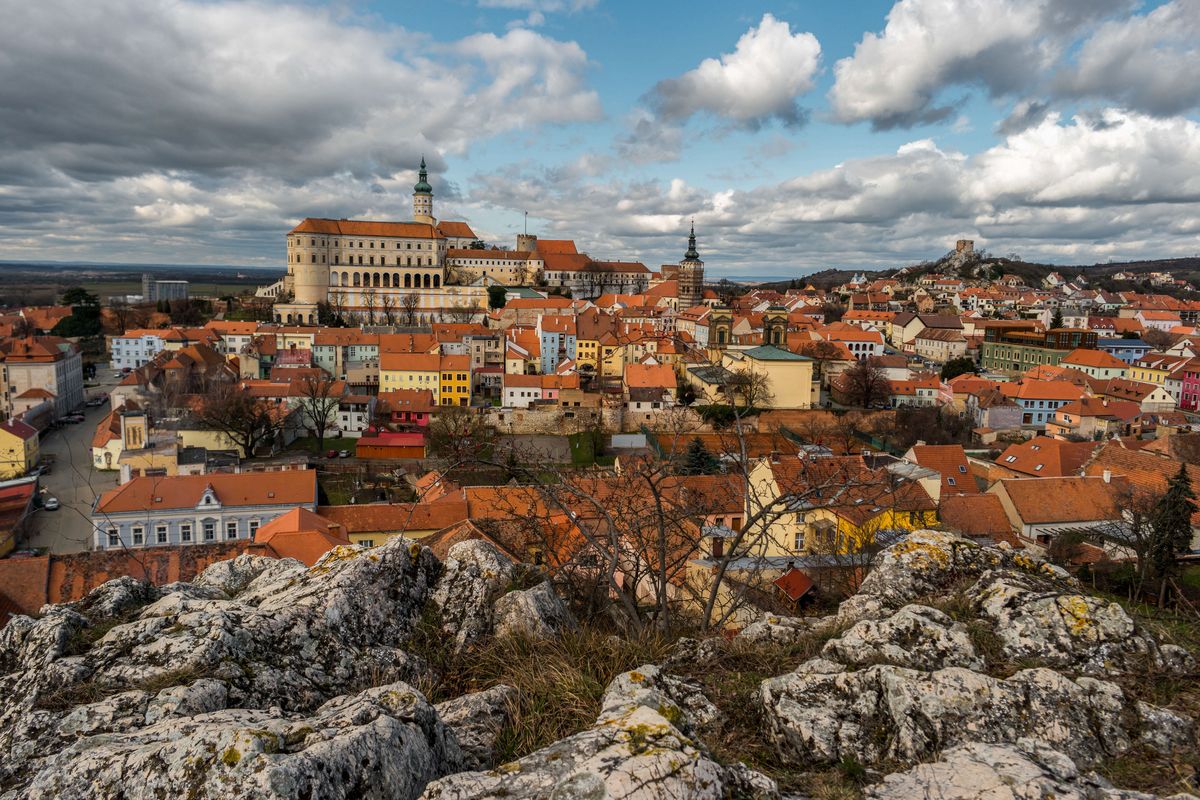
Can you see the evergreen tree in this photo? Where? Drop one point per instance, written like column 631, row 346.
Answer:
column 1171, row 527
column 1056, row 321
column 697, row 460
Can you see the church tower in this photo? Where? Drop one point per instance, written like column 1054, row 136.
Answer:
column 423, row 198
column 691, row 274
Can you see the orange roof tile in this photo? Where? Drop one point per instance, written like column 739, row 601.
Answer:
column 288, row 487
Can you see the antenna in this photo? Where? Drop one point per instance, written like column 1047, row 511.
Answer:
column 526, row 223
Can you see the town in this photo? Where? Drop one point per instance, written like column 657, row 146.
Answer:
column 405, row 379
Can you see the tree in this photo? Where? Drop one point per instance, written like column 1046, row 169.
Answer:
column 750, row 389
column 1171, row 526
column 320, row 398
column 697, row 460
column 459, row 434
column 1159, row 340
column 370, row 298
column 387, row 308
column 497, row 296
column 78, row 296
column 958, row 366
column 1056, row 321
column 85, row 315
column 249, row 422
column 409, row 303
column 865, row 385
column 463, row 312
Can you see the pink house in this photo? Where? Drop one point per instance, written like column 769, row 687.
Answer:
column 1189, row 392
column 407, row 406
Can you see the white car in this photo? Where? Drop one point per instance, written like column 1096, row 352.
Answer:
column 51, row 504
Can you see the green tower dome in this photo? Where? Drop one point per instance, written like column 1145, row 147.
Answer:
column 422, row 186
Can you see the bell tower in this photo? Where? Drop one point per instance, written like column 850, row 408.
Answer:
column 423, row 197
column 691, row 274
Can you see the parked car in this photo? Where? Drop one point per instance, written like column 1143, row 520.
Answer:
column 331, row 454
column 95, row 402
column 344, row 454
column 50, row 504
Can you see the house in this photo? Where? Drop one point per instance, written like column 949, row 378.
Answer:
column 1040, row 509
column 1158, row 320
column 786, row 378
column 1150, row 398
column 862, row 342
column 391, row 445
column 1146, row 474
column 1044, row 457
column 906, row 326
column 376, row 523
column 355, row 414
column 949, row 461
column 407, row 407
column 18, row 448
column 151, row 511
column 919, row 390
column 1095, row 363
column 1040, row 399
column 979, row 517
column 940, row 345
column 1127, row 350
column 1093, row 418
column 299, row 534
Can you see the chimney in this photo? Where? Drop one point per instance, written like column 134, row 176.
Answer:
column 1108, row 476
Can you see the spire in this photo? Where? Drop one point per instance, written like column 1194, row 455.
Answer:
column 692, row 254
column 422, row 186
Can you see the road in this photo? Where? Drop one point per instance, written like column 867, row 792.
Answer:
column 72, row 480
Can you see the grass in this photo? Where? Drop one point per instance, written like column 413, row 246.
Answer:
column 584, row 446
column 308, row 444
column 560, row 682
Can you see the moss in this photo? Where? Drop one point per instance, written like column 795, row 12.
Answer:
column 231, row 757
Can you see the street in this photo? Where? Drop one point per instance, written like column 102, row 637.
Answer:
column 72, row 479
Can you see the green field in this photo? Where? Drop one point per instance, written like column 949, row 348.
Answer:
column 107, row 289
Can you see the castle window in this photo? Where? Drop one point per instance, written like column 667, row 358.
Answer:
column 314, row 258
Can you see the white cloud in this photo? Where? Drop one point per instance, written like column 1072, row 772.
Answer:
column 894, row 79
column 1148, row 62
column 761, row 79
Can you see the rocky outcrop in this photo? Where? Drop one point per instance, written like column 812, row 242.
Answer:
column 537, row 613
column 474, row 576
column 915, row 636
column 887, row 712
column 477, row 720
column 1028, row 770
column 640, row 747
column 385, row 742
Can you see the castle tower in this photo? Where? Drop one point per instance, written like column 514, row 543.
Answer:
column 691, row 274
column 423, row 198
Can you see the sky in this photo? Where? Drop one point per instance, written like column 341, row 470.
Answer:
column 798, row 135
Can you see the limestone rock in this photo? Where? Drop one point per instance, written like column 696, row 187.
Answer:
column 780, row 630
column 474, row 576
column 476, row 720
column 915, row 636
column 1036, row 619
column 385, row 742
column 636, row 749
column 891, row 712
column 538, row 613
column 1028, row 770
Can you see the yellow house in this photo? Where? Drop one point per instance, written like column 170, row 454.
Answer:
column 455, row 383
column 18, row 448
column 411, row 371
column 1154, row 368
column 587, row 352
column 788, row 376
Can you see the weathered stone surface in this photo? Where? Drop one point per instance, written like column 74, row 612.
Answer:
column 1028, row 770
column 891, row 712
column 476, row 720
column 927, row 562
column 915, row 636
column 474, row 576
column 386, row 742
column 780, row 630
column 1036, row 619
column 635, row 750
column 538, row 613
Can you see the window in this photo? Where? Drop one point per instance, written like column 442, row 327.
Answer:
column 253, row 526
column 231, row 530
column 185, row 532
column 1010, row 459
column 114, row 538
column 1038, row 468
column 160, row 534
column 210, row 530
column 139, row 535
column 962, row 468
column 951, row 482
column 367, row 542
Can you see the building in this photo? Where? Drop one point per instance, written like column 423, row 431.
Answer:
column 197, row 509
column 134, row 349
column 1041, row 508
column 155, row 290
column 940, row 345
column 371, row 269
column 37, row 369
column 1017, row 349
column 785, row 378
column 1096, row 364
column 18, row 448
column 1040, row 400
column 690, row 275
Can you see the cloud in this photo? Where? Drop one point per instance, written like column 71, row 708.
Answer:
column 759, row 81
column 1024, row 114
column 541, row 6
column 109, row 111
column 1061, row 189
column 1147, row 62
column 895, row 79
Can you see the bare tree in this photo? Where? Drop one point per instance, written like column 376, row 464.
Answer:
column 387, row 308
column 249, row 422
column 370, row 299
column 320, row 398
column 864, row 385
column 461, row 312
column 409, row 303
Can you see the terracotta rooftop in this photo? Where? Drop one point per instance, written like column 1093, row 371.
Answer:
column 284, row 488
column 1044, row 457
column 1061, row 501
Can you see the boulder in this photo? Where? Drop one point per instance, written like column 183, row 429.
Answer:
column 1035, row 618
column 474, row 576
column 915, row 636
column 887, row 712
column 386, row 742
column 477, row 720
column 537, row 613
column 1028, row 770
column 635, row 749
